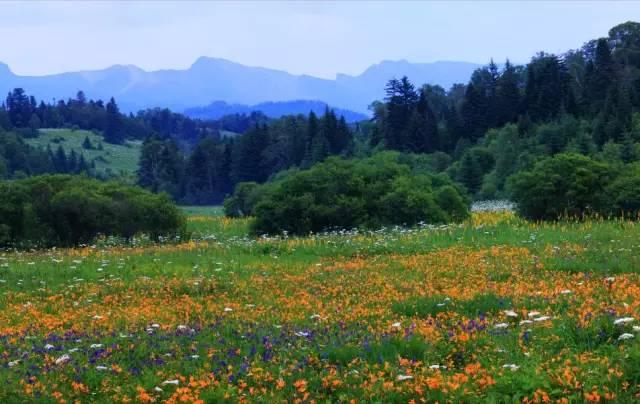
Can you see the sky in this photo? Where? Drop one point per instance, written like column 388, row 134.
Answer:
column 319, row 38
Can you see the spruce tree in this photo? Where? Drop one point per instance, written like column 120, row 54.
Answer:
column 113, row 130
column 470, row 174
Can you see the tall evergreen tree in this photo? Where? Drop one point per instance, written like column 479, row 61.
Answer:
column 113, row 132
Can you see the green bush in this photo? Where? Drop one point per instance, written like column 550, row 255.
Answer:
column 625, row 192
column 346, row 194
column 566, row 185
column 243, row 200
column 68, row 210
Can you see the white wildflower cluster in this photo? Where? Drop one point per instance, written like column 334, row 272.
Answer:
column 493, row 206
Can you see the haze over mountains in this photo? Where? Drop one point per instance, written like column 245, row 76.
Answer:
column 211, row 79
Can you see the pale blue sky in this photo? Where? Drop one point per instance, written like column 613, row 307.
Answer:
column 317, row 38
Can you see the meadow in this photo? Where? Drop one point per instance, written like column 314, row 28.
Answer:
column 493, row 310
column 110, row 159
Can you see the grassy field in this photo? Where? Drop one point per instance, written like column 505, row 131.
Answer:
column 112, row 158
column 494, row 310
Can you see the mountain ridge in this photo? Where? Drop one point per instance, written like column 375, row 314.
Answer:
column 271, row 109
column 209, row 79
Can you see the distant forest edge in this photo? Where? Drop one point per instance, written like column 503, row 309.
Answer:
column 502, row 122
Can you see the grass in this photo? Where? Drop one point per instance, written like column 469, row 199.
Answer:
column 112, row 159
column 528, row 315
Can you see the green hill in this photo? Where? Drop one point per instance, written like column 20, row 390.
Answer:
column 108, row 158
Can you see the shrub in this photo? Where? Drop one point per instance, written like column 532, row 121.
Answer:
column 625, row 193
column 564, row 185
column 68, row 210
column 243, row 200
column 346, row 194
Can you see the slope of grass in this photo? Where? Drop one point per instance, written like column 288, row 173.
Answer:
column 112, row 159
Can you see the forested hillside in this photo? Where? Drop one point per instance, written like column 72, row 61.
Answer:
column 504, row 120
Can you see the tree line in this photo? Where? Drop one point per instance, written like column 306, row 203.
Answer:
column 508, row 117
column 504, row 120
column 24, row 114
column 210, row 171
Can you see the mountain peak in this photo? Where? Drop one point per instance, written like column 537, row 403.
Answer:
column 207, row 61
column 5, row 70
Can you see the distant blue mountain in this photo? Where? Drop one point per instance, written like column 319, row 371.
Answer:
column 210, row 79
column 218, row 109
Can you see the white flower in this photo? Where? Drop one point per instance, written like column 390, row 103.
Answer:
column 302, row 334
column 63, row 359
column 404, row 377
column 625, row 336
column 623, row 320
column 155, row 325
column 542, row 318
column 95, row 346
column 97, row 317
column 610, row 279
column 502, row 325
column 176, row 382
column 182, row 327
column 524, row 322
column 510, row 313
column 74, row 350
column 195, row 356
column 511, row 366
column 565, row 292
column 101, row 367
column 158, row 389
column 13, row 363
column 533, row 313
column 636, row 328
column 48, row 347
column 314, row 316
column 396, row 325
column 435, row 367
column 228, row 309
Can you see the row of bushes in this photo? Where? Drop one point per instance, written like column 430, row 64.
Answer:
column 64, row 210
column 369, row 193
column 575, row 186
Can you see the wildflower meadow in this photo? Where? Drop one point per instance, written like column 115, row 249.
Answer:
column 495, row 309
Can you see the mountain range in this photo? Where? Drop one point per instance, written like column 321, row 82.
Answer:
column 277, row 109
column 212, row 79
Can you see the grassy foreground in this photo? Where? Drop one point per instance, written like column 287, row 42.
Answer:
column 495, row 310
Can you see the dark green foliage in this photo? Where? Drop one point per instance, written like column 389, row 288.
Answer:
column 63, row 210
column 347, row 194
column 243, row 200
column 113, row 128
column 210, row 172
column 565, row 185
column 407, row 122
column 86, row 144
column 161, row 167
column 624, row 193
column 470, row 173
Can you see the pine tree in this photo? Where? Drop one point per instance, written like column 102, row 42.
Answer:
column 312, row 133
column 508, row 95
column 113, row 132
column 470, row 174
column 72, row 162
column 60, row 161
column 82, row 165
column 86, row 144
